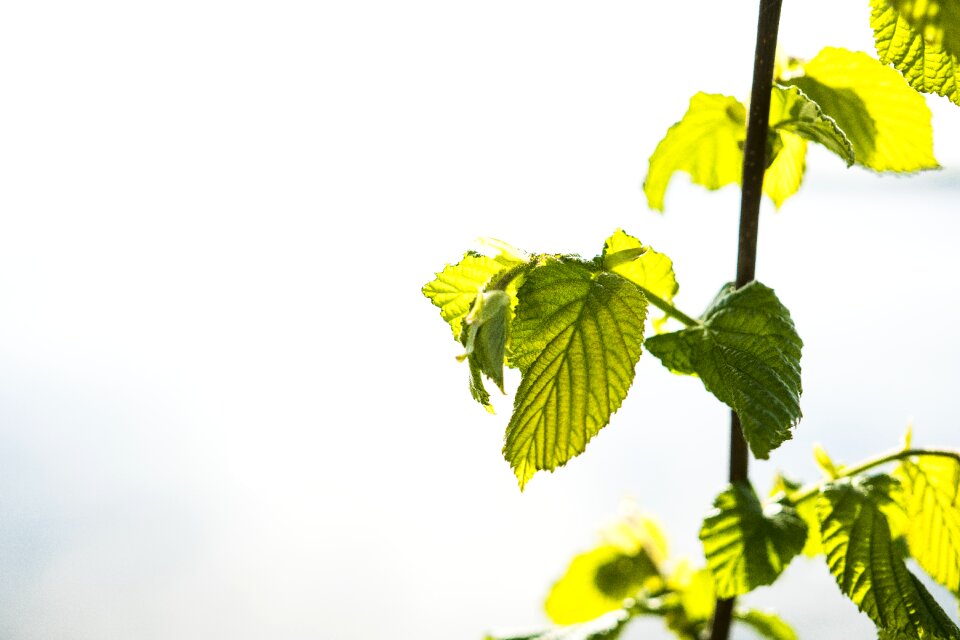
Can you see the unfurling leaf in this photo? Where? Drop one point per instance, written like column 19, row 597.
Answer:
column 576, row 339
column 924, row 64
column 747, row 353
column 868, row 566
column 485, row 332
column 457, row 286
column 888, row 124
column 931, row 500
column 747, row 544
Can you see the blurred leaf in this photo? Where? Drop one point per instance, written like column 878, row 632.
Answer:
column 793, row 111
column 888, row 124
column 925, row 65
column 767, row 625
column 606, row 627
column 937, row 20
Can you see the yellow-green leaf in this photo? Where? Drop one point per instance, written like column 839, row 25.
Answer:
column 793, row 111
column 599, row 580
column 456, row 287
column 937, row 20
column 640, row 264
column 931, row 500
column 706, row 143
column 766, row 624
column 888, row 124
column 925, row 65
column 785, row 173
column 576, row 339
column 606, row 627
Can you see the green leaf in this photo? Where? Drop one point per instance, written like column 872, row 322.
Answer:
column 485, row 333
column 785, row 174
column 747, row 544
column 599, row 580
column 937, row 20
column 606, row 627
column 706, row 143
column 576, row 340
column 747, row 353
column 640, row 264
column 791, row 110
column 931, row 500
column 868, row 566
column 596, row 582
column 807, row 510
column 456, row 287
column 767, row 625
column 888, row 124
column 925, row 65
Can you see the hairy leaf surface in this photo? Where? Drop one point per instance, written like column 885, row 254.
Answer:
column 888, row 124
column 791, row 110
column 767, row 625
column 746, row 544
column 925, row 65
column 576, row 340
column 931, row 500
column 868, row 566
column 937, row 20
column 747, row 353
column 606, row 627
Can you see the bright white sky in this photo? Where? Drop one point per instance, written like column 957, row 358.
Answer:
column 226, row 410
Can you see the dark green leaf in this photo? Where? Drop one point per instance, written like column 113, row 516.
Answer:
column 868, row 565
column 747, row 544
column 747, row 353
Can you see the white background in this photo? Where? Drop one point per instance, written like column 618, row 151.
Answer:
column 227, row 411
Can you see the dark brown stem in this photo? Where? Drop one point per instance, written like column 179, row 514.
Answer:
column 754, row 166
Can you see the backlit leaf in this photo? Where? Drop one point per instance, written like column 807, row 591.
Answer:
column 792, row 111
column 868, row 565
column 767, row 625
column 456, row 287
column 888, row 124
column 937, row 20
column 925, row 65
column 931, row 500
column 747, row 544
column 706, row 144
column 785, row 174
column 747, row 353
column 606, row 627
column 640, row 264
column 576, row 339
column 599, row 580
